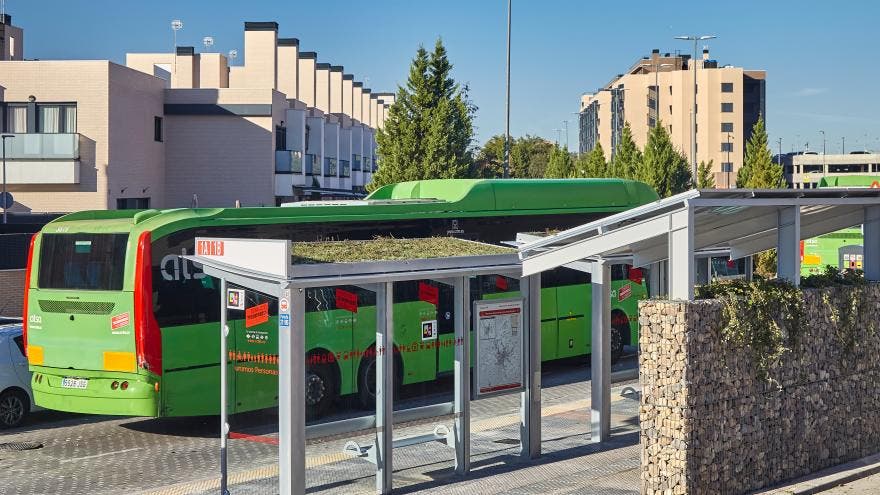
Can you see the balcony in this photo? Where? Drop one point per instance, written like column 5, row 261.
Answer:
column 345, row 168
column 43, row 159
column 288, row 162
column 330, row 169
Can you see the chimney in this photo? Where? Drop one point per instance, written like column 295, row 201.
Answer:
column 11, row 40
column 185, row 68
column 336, row 88
column 374, row 111
column 261, row 54
column 322, row 87
column 705, row 53
column 306, row 77
column 288, row 61
column 357, row 100
column 347, row 92
column 365, row 107
column 213, row 70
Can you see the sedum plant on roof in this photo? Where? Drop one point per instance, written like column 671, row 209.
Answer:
column 390, row 249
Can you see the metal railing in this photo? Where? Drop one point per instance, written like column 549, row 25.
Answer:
column 330, row 169
column 43, row 147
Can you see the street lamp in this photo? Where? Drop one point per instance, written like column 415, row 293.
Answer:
column 824, row 165
column 3, row 138
column 176, row 25
column 657, row 68
column 695, row 39
column 507, row 126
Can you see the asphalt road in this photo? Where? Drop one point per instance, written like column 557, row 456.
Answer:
column 82, row 454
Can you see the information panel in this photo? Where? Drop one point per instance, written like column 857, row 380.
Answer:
column 498, row 329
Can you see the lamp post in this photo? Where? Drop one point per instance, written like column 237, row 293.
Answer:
column 507, row 125
column 176, row 25
column 824, row 165
column 695, row 39
column 657, row 68
column 3, row 138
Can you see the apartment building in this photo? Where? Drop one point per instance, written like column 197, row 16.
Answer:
column 185, row 128
column 804, row 170
column 660, row 88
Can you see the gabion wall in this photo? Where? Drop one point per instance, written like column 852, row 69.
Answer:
column 710, row 425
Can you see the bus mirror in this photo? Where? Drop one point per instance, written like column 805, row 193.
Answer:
column 636, row 275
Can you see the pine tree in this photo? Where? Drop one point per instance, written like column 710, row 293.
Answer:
column 560, row 165
column 627, row 156
column 758, row 170
column 663, row 167
column 429, row 130
column 705, row 177
column 593, row 164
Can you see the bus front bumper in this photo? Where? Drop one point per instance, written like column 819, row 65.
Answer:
column 140, row 398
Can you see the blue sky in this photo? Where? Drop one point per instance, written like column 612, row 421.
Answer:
column 821, row 57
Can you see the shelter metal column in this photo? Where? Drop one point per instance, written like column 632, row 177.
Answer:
column 788, row 261
column 530, row 426
column 224, row 392
column 384, row 385
column 681, row 255
column 871, row 243
column 291, row 394
column 600, row 363
column 461, row 287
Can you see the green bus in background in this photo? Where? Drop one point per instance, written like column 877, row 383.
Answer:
column 843, row 248
column 117, row 323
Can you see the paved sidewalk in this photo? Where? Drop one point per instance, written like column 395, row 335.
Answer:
column 861, row 476
column 570, row 464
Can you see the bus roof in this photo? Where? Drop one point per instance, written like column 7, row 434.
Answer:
column 443, row 197
column 850, row 181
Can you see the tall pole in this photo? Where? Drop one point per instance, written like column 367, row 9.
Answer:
column 565, row 126
column 507, row 127
column 843, row 145
column 694, row 118
column 824, row 164
column 4, row 176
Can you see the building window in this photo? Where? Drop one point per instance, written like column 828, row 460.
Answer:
column 727, row 127
column 330, row 169
column 132, row 203
column 157, row 129
column 16, row 119
column 727, row 107
column 280, row 138
column 727, row 167
column 56, row 119
column 727, row 87
column 726, row 146
column 670, row 109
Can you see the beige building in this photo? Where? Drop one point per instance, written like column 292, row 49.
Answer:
column 804, row 170
column 185, row 128
column 660, row 88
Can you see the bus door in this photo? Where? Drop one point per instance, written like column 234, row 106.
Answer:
column 573, row 303
column 253, row 347
column 416, row 329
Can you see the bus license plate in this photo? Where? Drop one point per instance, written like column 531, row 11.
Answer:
column 68, row 382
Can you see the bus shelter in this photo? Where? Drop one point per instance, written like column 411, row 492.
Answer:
column 281, row 269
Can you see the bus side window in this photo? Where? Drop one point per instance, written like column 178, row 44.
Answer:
column 620, row 272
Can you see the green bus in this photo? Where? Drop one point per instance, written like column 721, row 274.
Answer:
column 843, row 248
column 117, row 323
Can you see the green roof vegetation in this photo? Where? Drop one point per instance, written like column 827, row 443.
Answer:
column 390, row 249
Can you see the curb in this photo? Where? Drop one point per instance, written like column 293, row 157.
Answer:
column 836, row 476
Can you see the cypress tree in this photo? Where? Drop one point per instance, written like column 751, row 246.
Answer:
column 705, row 178
column 560, row 165
column 429, row 130
column 758, row 170
column 627, row 156
column 663, row 167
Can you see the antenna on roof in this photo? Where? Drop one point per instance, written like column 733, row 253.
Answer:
column 208, row 41
column 232, row 54
column 2, row 9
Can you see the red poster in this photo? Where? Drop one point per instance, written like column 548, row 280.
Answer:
column 500, row 282
column 429, row 293
column 346, row 300
column 256, row 315
column 209, row 248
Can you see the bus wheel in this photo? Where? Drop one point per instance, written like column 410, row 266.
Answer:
column 14, row 408
column 321, row 390
column 367, row 380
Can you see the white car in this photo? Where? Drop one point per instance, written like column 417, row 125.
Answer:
column 16, row 398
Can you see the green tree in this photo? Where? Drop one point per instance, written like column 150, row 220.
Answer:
column 663, row 167
column 705, row 177
column 758, row 170
column 593, row 164
column 429, row 130
column 627, row 156
column 530, row 156
column 561, row 165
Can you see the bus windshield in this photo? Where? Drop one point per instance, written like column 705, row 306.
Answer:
column 82, row 261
